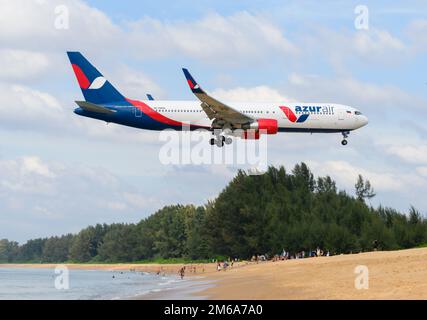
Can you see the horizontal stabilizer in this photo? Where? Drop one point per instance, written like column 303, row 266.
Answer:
column 93, row 107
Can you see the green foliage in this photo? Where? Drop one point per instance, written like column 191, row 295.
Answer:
column 56, row 249
column 32, row 251
column 86, row 243
column 120, row 244
column 261, row 214
column 364, row 189
column 8, row 250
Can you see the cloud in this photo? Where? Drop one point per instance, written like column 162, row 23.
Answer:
column 370, row 97
column 413, row 154
column 26, row 176
column 139, row 201
column 65, row 197
column 376, row 43
column 114, row 205
column 422, row 171
column 22, row 64
column 44, row 213
column 255, row 94
column 213, row 38
column 346, row 175
column 26, row 108
column 136, row 84
column 416, row 31
column 33, row 165
column 30, row 25
column 342, row 47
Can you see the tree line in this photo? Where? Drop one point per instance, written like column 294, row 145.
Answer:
column 261, row 214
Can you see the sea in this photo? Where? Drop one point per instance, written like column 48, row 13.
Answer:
column 71, row 284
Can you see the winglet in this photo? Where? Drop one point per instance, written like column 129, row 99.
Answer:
column 194, row 86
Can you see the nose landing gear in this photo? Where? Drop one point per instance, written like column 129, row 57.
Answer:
column 345, row 136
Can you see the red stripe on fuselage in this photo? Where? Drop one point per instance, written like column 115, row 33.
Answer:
column 154, row 114
column 84, row 82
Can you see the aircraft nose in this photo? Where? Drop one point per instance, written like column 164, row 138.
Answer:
column 361, row 120
column 365, row 120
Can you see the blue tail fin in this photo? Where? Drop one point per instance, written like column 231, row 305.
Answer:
column 95, row 88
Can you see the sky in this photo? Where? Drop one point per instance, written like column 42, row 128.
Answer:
column 60, row 172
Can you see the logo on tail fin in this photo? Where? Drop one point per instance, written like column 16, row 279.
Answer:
column 98, row 83
column 84, row 82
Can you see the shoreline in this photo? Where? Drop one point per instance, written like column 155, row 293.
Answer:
column 390, row 275
column 193, row 269
column 197, row 280
column 191, row 290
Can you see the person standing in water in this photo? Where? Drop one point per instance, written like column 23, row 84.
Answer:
column 182, row 272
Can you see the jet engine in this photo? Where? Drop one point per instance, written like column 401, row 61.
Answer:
column 260, row 126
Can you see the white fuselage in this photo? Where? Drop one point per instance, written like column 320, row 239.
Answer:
column 304, row 116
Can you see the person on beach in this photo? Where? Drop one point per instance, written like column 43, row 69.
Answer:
column 182, row 272
column 225, row 265
column 375, row 245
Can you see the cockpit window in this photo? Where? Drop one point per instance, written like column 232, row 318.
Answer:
column 358, row 113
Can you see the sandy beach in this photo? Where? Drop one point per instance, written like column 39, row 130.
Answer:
column 392, row 275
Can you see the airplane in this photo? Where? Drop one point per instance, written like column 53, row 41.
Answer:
column 247, row 120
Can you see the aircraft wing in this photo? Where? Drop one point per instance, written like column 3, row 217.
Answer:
column 213, row 108
column 93, row 107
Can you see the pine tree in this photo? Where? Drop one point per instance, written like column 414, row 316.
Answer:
column 364, row 189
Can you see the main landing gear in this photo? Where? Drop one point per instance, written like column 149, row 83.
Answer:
column 345, row 136
column 220, row 140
